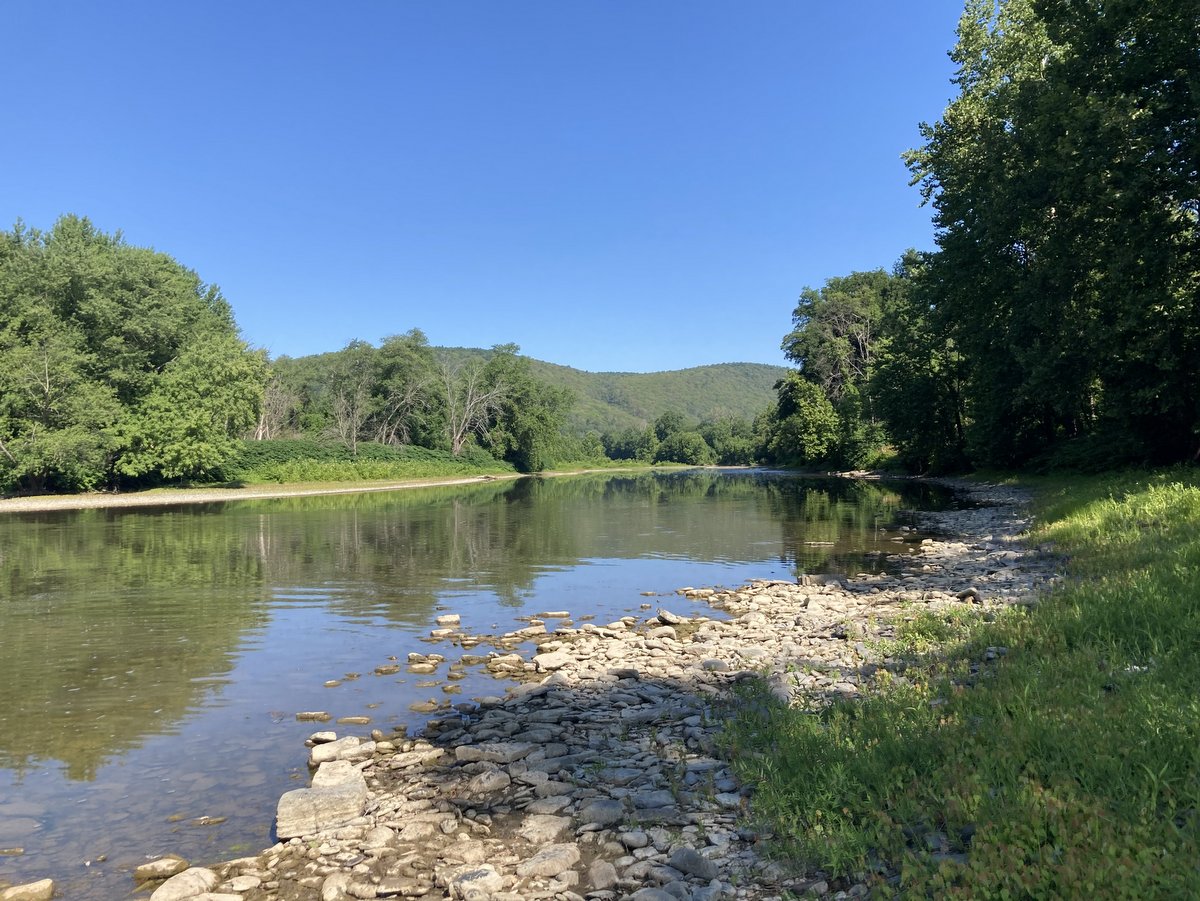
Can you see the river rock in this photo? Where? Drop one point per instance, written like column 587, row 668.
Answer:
column 162, row 868
column 486, row 783
column 605, row 812
column 652, row 894
column 553, row 660
column 42, row 890
column 552, row 804
column 652, row 799
column 550, row 861
column 474, row 881
column 349, row 748
column 337, row 796
column 191, row 882
column 542, row 829
column 690, row 862
column 240, row 884
column 493, row 752
column 602, row 875
column 336, row 886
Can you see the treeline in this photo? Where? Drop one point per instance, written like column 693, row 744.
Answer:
column 120, row 368
column 1058, row 322
column 403, row 393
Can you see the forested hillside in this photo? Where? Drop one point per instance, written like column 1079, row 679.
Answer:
column 612, row 401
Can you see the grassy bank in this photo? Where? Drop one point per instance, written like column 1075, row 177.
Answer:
column 300, row 460
column 1066, row 766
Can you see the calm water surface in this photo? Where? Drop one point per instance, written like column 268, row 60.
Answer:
column 152, row 661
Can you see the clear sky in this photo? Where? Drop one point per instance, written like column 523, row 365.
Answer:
column 615, row 185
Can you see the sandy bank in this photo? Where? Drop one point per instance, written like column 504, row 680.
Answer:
column 159, row 497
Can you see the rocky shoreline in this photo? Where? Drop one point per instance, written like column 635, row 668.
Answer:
column 597, row 774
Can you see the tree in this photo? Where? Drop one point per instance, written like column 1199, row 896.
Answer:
column 189, row 423
column 804, row 426
column 1063, row 181
column 685, row 447
column 732, row 440
column 280, row 406
column 351, row 384
column 527, row 427
column 95, row 334
column 834, row 341
column 471, row 398
column 406, row 404
column 919, row 378
column 54, row 419
column 668, row 424
column 835, row 330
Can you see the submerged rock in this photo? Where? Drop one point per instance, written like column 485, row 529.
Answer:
column 42, row 890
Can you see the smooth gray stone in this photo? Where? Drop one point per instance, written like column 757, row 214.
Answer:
column 692, row 863
column 648, row 800
column 604, row 812
column 493, row 752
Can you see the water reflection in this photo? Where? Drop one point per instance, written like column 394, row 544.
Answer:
column 134, row 642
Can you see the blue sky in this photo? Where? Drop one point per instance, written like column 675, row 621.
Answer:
column 615, row 186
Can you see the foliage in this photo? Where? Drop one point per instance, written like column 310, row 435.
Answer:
column 1063, row 178
column 918, row 382
column 1067, row 767
column 804, row 427
column 631, row 444
column 404, row 393
column 308, row 460
column 115, row 361
column 527, row 427
column 731, row 439
column 835, row 340
column 835, row 329
column 685, row 447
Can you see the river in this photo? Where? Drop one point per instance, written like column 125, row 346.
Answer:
column 153, row 660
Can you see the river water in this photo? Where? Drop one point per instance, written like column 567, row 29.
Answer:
column 152, row 660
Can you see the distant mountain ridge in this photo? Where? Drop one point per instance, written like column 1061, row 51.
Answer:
column 612, row 401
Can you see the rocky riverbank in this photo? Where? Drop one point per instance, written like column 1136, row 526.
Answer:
column 596, row 773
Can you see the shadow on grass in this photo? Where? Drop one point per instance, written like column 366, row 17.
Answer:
column 1054, row 752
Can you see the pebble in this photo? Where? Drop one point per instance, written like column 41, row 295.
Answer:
column 534, row 792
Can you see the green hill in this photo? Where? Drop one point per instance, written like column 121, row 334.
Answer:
column 611, row 401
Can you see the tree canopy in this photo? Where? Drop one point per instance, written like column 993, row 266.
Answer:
column 1064, row 183
column 115, row 362
column 1058, row 321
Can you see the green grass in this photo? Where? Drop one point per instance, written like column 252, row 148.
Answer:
column 1069, row 767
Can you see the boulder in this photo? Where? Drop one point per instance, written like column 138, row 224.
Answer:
column 550, row 861
column 338, row 795
column 162, row 868
column 191, row 882
column 42, row 890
